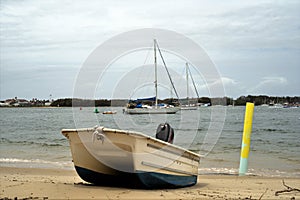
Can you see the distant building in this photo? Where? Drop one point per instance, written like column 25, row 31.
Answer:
column 16, row 102
column 4, row 104
column 23, row 102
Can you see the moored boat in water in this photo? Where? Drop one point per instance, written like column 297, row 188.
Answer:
column 109, row 112
column 189, row 105
column 156, row 108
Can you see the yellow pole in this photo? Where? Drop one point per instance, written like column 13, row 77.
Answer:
column 246, row 139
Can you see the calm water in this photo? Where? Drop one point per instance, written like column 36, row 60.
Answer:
column 30, row 137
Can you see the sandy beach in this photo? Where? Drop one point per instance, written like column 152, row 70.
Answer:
column 32, row 183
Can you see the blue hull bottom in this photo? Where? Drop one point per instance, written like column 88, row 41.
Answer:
column 149, row 180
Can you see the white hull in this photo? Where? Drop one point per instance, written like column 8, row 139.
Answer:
column 189, row 108
column 117, row 153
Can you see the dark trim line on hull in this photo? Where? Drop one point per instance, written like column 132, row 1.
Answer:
column 151, row 113
column 140, row 179
column 154, row 180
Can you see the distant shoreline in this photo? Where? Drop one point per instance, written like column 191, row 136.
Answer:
column 207, row 101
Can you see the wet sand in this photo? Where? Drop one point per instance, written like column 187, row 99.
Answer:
column 32, row 183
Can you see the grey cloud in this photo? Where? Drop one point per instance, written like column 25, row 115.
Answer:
column 260, row 36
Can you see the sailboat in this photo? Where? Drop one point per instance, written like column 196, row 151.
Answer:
column 189, row 106
column 157, row 108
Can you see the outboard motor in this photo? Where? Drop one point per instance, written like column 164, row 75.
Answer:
column 165, row 132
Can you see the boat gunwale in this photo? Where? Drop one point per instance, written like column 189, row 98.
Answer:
column 134, row 133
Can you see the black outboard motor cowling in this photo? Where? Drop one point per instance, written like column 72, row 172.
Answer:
column 165, row 132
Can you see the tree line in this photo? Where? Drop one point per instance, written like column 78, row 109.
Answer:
column 225, row 101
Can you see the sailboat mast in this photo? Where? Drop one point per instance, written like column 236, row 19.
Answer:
column 155, row 66
column 187, row 83
column 193, row 82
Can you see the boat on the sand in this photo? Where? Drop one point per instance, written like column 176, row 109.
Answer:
column 105, row 156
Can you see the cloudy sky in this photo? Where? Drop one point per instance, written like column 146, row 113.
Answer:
column 255, row 45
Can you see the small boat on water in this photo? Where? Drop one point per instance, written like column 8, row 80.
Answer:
column 109, row 112
column 189, row 107
column 105, row 156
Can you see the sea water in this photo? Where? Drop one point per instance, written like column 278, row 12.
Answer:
column 31, row 137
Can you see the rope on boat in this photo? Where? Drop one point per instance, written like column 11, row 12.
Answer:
column 98, row 135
